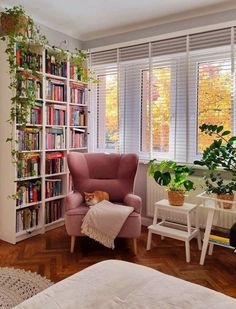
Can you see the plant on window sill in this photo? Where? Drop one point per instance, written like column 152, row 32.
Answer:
column 174, row 177
column 221, row 154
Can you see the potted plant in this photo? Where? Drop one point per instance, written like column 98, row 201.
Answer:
column 13, row 20
column 174, row 177
column 221, row 154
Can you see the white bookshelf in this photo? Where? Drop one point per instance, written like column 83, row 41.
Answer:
column 9, row 179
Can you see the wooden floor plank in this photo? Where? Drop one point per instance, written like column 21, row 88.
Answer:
column 49, row 255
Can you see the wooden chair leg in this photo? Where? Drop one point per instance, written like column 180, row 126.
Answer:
column 135, row 246
column 72, row 244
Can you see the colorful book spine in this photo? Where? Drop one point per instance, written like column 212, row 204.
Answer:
column 29, row 165
column 53, row 211
column 53, row 66
column 28, row 192
column 55, row 90
column 78, row 138
column 53, row 187
column 77, row 116
column 28, row 59
column 56, row 114
column 55, row 138
column 29, row 139
column 27, row 218
column 77, row 93
column 32, row 86
column 54, row 163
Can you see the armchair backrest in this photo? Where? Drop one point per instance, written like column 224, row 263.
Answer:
column 113, row 173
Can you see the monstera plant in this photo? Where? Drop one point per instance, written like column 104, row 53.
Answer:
column 172, row 176
column 220, row 155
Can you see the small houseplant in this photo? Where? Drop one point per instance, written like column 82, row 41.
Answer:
column 221, row 154
column 174, row 177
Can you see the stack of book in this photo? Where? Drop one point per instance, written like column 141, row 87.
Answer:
column 34, row 114
column 55, row 138
column 29, row 192
column 55, row 67
column 27, row 218
column 28, row 59
column 78, row 138
column 77, row 93
column 53, row 187
column 56, row 114
column 29, row 165
column 53, row 211
column 55, row 90
column 77, row 116
column 54, row 163
column 28, row 139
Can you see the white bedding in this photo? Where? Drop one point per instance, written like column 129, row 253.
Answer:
column 117, row 284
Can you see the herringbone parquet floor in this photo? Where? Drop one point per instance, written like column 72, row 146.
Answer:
column 49, row 256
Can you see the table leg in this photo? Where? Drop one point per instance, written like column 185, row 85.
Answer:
column 199, row 240
column 210, row 218
column 187, row 249
column 149, row 240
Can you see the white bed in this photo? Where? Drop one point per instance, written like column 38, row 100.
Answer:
column 117, row 284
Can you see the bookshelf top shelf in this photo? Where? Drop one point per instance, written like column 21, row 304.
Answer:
column 55, row 76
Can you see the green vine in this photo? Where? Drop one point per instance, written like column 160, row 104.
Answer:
column 23, row 96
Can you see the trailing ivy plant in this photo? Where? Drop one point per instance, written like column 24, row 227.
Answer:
column 79, row 60
column 23, row 97
column 221, row 154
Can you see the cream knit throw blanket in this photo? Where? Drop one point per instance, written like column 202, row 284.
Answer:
column 104, row 221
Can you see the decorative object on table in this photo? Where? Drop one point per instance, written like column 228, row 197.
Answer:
column 220, row 154
column 17, row 285
column 174, row 177
column 109, row 172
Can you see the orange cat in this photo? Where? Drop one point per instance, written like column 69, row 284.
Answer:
column 95, row 197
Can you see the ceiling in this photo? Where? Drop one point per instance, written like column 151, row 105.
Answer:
column 90, row 19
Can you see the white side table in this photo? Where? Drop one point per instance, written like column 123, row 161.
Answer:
column 174, row 230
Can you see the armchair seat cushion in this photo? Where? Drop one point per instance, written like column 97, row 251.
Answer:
column 74, row 218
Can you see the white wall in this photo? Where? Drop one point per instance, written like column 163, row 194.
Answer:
column 164, row 28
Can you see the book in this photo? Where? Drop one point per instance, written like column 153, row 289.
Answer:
column 78, row 116
column 55, row 138
column 28, row 192
column 28, row 59
column 53, row 66
column 56, row 114
column 54, row 163
column 29, row 139
column 78, row 138
column 55, row 90
column 29, row 165
column 27, row 218
column 53, row 187
column 77, row 93
column 53, row 211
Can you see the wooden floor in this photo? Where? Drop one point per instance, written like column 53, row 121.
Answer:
column 49, row 256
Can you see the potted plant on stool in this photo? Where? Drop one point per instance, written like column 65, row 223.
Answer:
column 172, row 176
column 220, row 154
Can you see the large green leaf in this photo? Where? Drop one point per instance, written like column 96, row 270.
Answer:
column 162, row 179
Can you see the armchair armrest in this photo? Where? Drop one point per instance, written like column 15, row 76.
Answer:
column 73, row 200
column 133, row 201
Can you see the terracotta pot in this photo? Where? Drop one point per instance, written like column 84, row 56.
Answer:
column 11, row 25
column 225, row 197
column 176, row 198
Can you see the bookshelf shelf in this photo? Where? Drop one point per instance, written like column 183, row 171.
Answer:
column 55, row 102
column 59, row 110
column 28, row 178
column 28, row 205
column 55, row 76
column 58, row 197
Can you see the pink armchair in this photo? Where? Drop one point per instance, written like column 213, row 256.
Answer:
column 113, row 173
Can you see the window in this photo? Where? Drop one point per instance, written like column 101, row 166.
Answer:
column 214, row 97
column 166, row 90
column 160, row 110
column 107, row 112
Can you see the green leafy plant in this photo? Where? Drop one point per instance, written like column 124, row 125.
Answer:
column 171, row 175
column 221, row 154
column 79, row 60
column 23, row 97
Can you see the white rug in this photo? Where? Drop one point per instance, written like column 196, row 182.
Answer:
column 16, row 285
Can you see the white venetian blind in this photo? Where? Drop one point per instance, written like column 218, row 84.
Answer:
column 210, row 85
column 152, row 97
